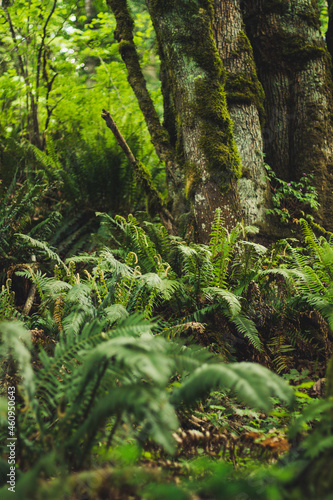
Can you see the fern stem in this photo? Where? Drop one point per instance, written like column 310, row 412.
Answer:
column 88, row 407
column 113, row 430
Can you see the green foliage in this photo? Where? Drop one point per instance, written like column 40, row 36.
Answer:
column 76, row 72
column 187, row 273
column 113, row 368
column 322, row 4
column 7, row 301
column 312, row 274
column 292, row 199
column 19, row 212
column 109, row 352
column 243, row 378
column 109, row 364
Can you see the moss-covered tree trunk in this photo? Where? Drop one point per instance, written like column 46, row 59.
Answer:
column 294, row 68
column 196, row 114
column 165, row 150
column 245, row 98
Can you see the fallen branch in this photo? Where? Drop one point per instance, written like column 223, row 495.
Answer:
column 30, row 299
column 142, row 175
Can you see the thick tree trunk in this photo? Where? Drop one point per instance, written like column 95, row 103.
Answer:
column 196, row 114
column 294, row 68
column 245, row 97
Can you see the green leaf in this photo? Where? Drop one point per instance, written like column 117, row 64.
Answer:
column 252, row 383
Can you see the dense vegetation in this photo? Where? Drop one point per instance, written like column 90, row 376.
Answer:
column 145, row 364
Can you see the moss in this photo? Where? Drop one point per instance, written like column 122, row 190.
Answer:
column 144, row 179
column 125, row 23
column 246, row 174
column 243, row 89
column 291, row 52
column 246, row 87
column 216, row 139
column 124, row 35
column 243, row 45
column 161, row 8
column 295, row 49
column 275, row 6
column 187, row 40
column 192, row 178
column 311, row 15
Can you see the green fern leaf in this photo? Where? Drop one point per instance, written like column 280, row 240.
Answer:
column 252, row 383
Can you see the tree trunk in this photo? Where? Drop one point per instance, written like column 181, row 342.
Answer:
column 196, row 114
column 329, row 33
column 294, row 68
column 89, row 9
column 159, row 136
column 245, row 97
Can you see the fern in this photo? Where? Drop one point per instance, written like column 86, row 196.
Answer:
column 243, row 378
column 49, row 162
column 113, row 365
column 229, row 298
column 43, row 247
column 15, row 343
column 223, row 245
column 243, row 324
column 7, row 301
column 246, row 327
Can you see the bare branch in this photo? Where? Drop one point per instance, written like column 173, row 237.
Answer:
column 42, row 43
column 142, row 174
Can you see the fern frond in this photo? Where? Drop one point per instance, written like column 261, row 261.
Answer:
column 43, row 247
column 232, row 301
column 150, row 408
column 58, row 311
column 16, row 341
column 252, row 383
column 246, row 327
column 218, row 233
column 313, row 411
column 311, row 239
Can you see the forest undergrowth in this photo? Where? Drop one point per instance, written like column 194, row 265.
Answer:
column 136, row 364
column 148, row 366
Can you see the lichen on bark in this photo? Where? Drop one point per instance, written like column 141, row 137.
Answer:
column 197, row 115
column 245, row 98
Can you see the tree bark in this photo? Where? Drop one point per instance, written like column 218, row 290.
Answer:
column 294, row 68
column 196, row 115
column 159, row 135
column 89, row 9
column 142, row 174
column 245, row 98
column 329, row 33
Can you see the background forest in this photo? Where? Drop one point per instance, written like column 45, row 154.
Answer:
column 161, row 344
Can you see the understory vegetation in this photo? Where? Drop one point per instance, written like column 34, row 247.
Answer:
column 127, row 369
column 145, row 365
